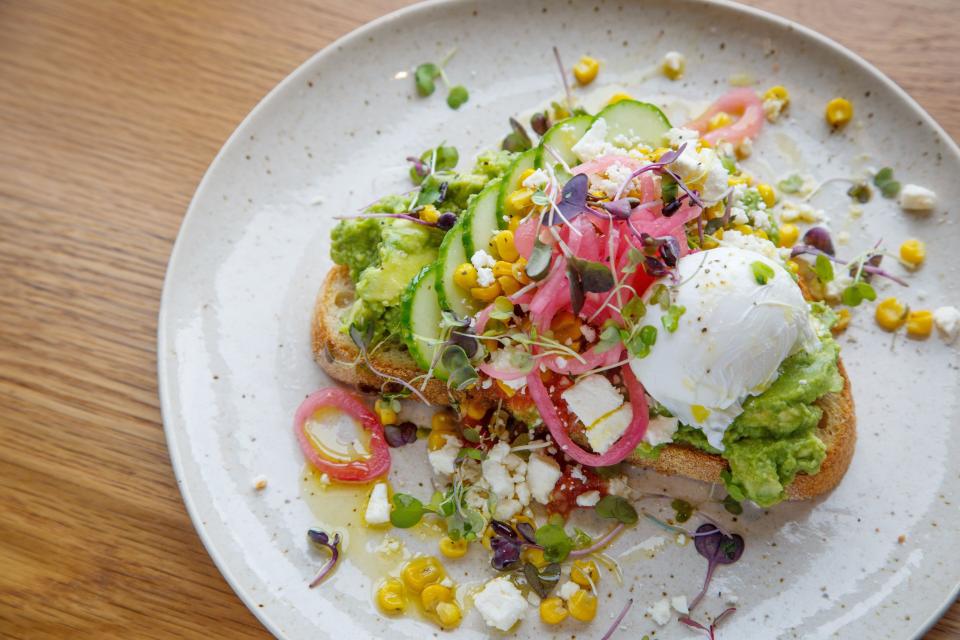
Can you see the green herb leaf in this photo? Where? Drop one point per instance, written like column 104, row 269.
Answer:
column 540, row 198
column 555, row 542
column 660, row 296
column 762, row 272
column 792, row 184
column 430, row 190
column 634, row 310
column 884, row 181
column 683, row 510
column 581, row 539
column 635, row 258
column 732, row 505
column 609, row 338
column 616, row 508
column 648, row 334
column 470, row 452
column 823, row 268
column 461, row 372
column 728, row 163
column 851, row 297
column 538, row 265
column 867, row 292
column 502, row 308
column 407, row 511
column 470, row 434
column 424, row 77
column 860, row 192
column 668, row 189
column 671, row 319
column 457, row 96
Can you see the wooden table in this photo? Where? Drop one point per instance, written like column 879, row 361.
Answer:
column 109, row 114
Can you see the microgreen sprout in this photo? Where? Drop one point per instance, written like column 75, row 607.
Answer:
column 618, row 620
column 457, row 97
column 322, row 539
column 884, row 181
column 791, row 184
column 861, row 192
column 540, row 122
column 762, row 272
column 671, row 318
column 823, row 268
column 542, row 581
column 712, row 629
column 398, row 435
column 426, row 74
column 613, row 507
column 362, row 340
column 718, row 548
column 563, row 76
column 518, row 139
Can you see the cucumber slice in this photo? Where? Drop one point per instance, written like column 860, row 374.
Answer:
column 452, row 255
column 561, row 137
column 511, row 179
column 420, row 317
column 637, row 121
column 481, row 221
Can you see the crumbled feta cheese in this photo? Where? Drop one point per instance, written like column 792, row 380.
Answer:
column 734, row 238
column 843, row 238
column 500, row 603
column 688, row 164
column 761, row 219
column 660, row 430
column 619, row 486
column 716, row 182
column 260, row 483
column 947, row 320
column 913, row 197
column 603, row 433
column 390, row 546
column 508, row 508
column 537, row 179
column 568, row 590
column 588, row 332
column 523, row 493
column 731, row 598
column 378, row 506
column 533, row 599
column 542, row 476
column 678, row 135
column 792, row 211
column 660, row 612
column 738, row 216
column 673, row 62
column 773, row 109
column 577, row 473
column 497, row 477
column 588, row 499
column 442, row 460
column 594, row 143
column 679, row 603
column 482, row 262
column 592, row 398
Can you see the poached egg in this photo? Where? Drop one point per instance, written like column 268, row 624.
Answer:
column 730, row 340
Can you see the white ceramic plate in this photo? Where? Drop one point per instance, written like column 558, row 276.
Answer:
column 234, row 352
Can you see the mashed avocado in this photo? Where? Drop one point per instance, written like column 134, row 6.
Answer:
column 774, row 438
column 384, row 254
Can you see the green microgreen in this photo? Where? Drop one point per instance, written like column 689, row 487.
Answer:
column 425, row 76
column 538, row 265
column 407, row 511
column 861, row 192
column 823, row 268
column 762, row 272
column 457, row 97
column 682, row 510
column 671, row 318
column 555, row 542
column 884, row 181
column 732, row 506
column 461, row 373
column 791, row 184
column 617, row 508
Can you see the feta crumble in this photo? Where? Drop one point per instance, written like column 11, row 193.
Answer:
column 660, row 612
column 483, row 263
column 594, row 143
column 592, row 398
column 442, row 460
column 378, row 506
column 536, row 180
column 773, row 109
column 500, row 604
column 916, row 198
column 660, row 430
column 542, row 476
column 947, row 320
column 588, row 499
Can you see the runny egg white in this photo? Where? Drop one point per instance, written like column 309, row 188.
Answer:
column 729, row 342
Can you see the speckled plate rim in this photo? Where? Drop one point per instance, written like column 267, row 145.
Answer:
column 166, row 372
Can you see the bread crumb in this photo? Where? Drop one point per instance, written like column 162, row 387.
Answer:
column 260, row 483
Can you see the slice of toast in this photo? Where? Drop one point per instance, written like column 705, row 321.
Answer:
column 337, row 355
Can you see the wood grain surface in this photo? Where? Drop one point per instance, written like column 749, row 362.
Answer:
column 109, row 114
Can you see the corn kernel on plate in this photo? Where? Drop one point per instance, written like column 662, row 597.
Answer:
column 870, row 559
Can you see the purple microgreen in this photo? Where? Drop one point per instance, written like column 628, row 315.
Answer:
column 718, row 549
column 655, row 267
column 362, row 340
column 669, row 250
column 599, row 543
column 866, row 267
column 621, row 208
column 542, row 582
column 526, row 530
column 506, row 552
column 819, row 238
column 712, row 629
column 540, row 122
column 461, row 373
column 321, row 539
column 398, row 435
column 694, row 197
column 586, row 276
column 577, row 295
column 563, row 76
column 420, row 168
column 398, row 216
column 671, row 156
column 503, row 529
column 573, row 199
column 466, row 340
column 538, row 265
column 446, row 221
column 518, row 139
column 617, row 620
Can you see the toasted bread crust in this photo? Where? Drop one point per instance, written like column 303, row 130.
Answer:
column 335, row 352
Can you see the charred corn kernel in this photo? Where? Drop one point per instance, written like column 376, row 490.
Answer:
column 514, row 223
column 390, row 597
column 789, row 233
column 443, row 421
column 566, row 326
column 839, row 112
column 760, row 233
column 434, row 594
column 475, row 409
column 518, row 201
column 618, row 96
column 505, row 246
column 385, row 412
column 437, row 440
column 488, row 293
column 552, row 610
column 502, row 268
column 718, row 234
column 777, row 92
column 429, row 214
column 536, row 558
column 733, row 181
column 526, row 174
column 843, row 321
column 422, row 572
column 792, row 265
column 519, row 271
column 585, row 71
column 465, row 276
column 710, row 242
column 449, row 614
column 919, row 323
column 583, row 605
column 720, row 120
column 913, row 252
column 744, row 229
column 891, row 314
column 767, row 193
column 584, row 572
column 453, row 548
column 509, row 285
